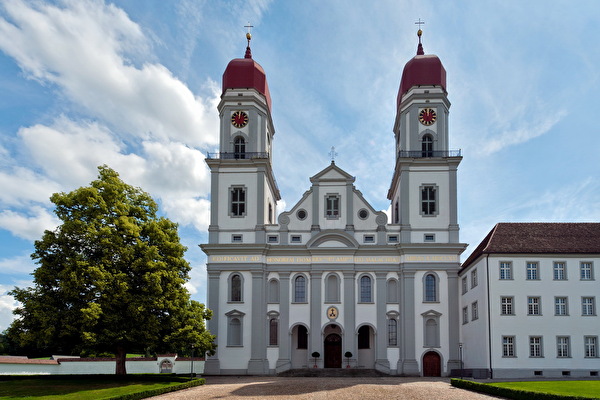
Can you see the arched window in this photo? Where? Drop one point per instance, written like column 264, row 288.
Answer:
column 273, row 295
column 239, row 147
column 392, row 291
column 273, row 332
column 270, row 213
column 235, row 332
column 431, row 333
column 427, row 146
column 235, row 288
column 364, row 341
column 332, row 288
column 392, row 332
column 430, row 288
column 366, row 295
column 300, row 289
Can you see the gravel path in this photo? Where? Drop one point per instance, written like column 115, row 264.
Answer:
column 252, row 387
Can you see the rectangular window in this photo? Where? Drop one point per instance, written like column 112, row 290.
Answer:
column 428, row 201
column 393, row 239
column 533, row 306
column 369, row 239
column 535, row 346
column 505, row 270
column 464, row 285
column 591, row 349
column 560, row 271
column 474, row 278
column 474, row 311
column 560, row 306
column 296, row 239
column 429, row 237
column 562, row 346
column 273, row 239
column 332, row 206
column 238, row 202
column 507, row 306
column 508, row 346
column 586, row 272
column 588, row 306
column 532, row 271
column 465, row 315
column 236, row 238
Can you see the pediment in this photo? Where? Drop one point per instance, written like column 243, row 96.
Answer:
column 333, row 239
column 332, row 173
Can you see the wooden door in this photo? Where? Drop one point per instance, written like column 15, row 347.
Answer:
column 333, row 351
column 432, row 364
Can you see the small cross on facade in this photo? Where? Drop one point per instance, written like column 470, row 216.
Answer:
column 332, row 154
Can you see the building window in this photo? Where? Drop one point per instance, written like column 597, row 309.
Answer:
column 363, row 213
column 535, row 346
column 332, row 294
column 300, row 289
column 239, row 147
column 392, row 332
column 235, row 288
column 428, row 201
column 432, row 333
column 302, row 337
column 560, row 271
column 474, row 278
column 505, row 270
column 369, row 239
column 474, row 311
column 296, row 239
column 429, row 237
column 465, row 315
column 586, row 271
column 332, row 206
column 396, row 213
column 237, row 238
column 273, row 294
column 506, row 306
column 392, row 291
column 533, row 306
column 563, row 346
column 273, row 332
column 508, row 346
column 393, row 239
column 365, row 289
column 235, row 332
column 464, row 285
column 590, row 344
column 532, row 271
column 588, row 306
column 238, row 202
column 270, row 213
column 301, row 214
column 430, row 288
column 273, row 239
column 427, row 146
column 364, row 340
column 560, row 306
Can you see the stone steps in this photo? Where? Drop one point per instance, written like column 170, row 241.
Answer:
column 331, row 372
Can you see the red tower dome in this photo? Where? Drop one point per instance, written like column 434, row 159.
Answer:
column 245, row 73
column 422, row 70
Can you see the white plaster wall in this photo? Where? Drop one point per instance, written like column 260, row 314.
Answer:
column 96, row 367
column 420, row 176
column 237, row 177
column 273, row 355
column 474, row 334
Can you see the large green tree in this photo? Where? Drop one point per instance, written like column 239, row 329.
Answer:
column 110, row 279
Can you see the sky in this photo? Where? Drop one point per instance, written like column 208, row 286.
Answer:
column 135, row 85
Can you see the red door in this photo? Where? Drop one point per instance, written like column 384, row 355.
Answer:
column 432, row 364
column 333, row 351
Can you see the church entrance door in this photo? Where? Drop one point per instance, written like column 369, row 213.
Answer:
column 333, row 351
column 432, row 364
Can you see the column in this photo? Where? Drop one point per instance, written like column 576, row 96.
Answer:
column 349, row 317
column 212, row 365
column 316, row 340
column 453, row 321
column 409, row 364
column 381, row 361
column 285, row 336
column 258, row 364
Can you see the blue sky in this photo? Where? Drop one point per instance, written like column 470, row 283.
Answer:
column 135, row 85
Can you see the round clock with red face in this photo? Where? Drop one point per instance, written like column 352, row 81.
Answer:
column 239, row 119
column 427, row 116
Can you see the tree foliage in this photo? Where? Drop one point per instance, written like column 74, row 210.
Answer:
column 110, row 278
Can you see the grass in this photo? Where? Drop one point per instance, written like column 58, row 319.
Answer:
column 589, row 389
column 84, row 388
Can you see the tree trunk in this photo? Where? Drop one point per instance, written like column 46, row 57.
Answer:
column 121, row 356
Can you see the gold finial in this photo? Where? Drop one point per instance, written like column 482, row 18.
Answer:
column 419, row 33
column 248, row 36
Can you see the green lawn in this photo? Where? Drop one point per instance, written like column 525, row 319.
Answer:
column 80, row 388
column 589, row 389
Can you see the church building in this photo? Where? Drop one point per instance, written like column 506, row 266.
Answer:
column 332, row 275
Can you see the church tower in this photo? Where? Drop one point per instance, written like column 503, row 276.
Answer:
column 423, row 191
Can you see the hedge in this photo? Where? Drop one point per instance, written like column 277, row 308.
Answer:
column 509, row 393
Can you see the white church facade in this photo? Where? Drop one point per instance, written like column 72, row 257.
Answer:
column 333, row 275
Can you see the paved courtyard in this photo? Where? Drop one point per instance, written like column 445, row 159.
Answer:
column 250, row 387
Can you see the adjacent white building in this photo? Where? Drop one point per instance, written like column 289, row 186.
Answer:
column 529, row 302
column 333, row 275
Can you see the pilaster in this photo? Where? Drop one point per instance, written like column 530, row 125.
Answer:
column 285, row 336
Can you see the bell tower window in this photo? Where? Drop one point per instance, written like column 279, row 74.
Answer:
column 239, row 148
column 428, row 201
column 332, row 206
column 238, row 201
column 427, row 146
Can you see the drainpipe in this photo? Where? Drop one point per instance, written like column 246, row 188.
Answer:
column 487, row 266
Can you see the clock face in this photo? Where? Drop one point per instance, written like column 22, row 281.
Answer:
column 427, row 116
column 332, row 312
column 239, row 119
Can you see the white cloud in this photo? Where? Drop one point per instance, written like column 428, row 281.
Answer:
column 18, row 265
column 21, row 185
column 28, row 226
column 7, row 305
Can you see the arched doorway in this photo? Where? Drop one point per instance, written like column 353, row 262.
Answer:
column 333, row 351
column 432, row 364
